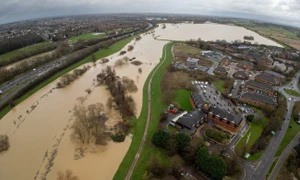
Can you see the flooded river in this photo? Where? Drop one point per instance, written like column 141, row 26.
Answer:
column 211, row 32
column 39, row 127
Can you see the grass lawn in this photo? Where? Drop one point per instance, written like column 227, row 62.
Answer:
column 139, row 125
column 254, row 131
column 219, row 85
column 17, row 52
column 272, row 167
column 172, row 129
column 99, row 54
column 292, row 92
column 182, row 97
column 85, row 37
column 289, row 135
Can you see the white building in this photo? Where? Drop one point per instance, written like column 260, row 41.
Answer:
column 192, row 63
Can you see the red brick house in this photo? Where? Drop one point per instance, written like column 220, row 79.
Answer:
column 266, row 79
column 246, row 65
column 226, row 61
column 257, row 100
column 256, row 86
column 220, row 71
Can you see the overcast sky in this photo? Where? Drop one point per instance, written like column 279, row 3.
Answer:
column 281, row 11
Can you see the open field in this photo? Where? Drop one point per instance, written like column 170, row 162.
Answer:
column 99, row 54
column 289, row 135
column 85, row 37
column 292, row 92
column 18, row 52
column 253, row 133
column 139, row 125
column 182, row 98
column 183, row 51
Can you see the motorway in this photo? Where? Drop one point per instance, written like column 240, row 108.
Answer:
column 32, row 75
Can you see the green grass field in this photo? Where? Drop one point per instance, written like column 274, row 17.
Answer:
column 17, row 52
column 254, row 132
column 219, row 85
column 182, row 97
column 139, row 125
column 99, row 54
column 85, row 37
column 292, row 92
column 289, row 135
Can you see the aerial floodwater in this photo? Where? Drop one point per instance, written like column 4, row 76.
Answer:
column 211, row 32
column 39, row 127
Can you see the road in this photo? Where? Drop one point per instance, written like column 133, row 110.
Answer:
column 137, row 155
column 285, row 154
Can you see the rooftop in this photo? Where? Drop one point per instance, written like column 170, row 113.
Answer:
column 274, row 74
column 225, row 115
column 191, row 118
column 220, row 69
column 198, row 100
column 241, row 74
column 267, row 78
column 259, row 98
column 192, row 60
column 259, row 85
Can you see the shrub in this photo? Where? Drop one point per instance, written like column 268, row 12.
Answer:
column 118, row 138
column 122, row 52
column 138, row 38
column 161, row 138
column 4, row 143
column 140, row 70
column 250, row 117
column 130, row 48
column 136, row 63
column 217, row 136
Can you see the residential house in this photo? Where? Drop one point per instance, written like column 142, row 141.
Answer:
column 241, row 75
column 220, row 71
column 191, row 120
column 246, row 65
column 226, row 61
column 279, row 77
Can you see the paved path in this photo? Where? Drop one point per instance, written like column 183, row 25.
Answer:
column 136, row 158
column 284, row 155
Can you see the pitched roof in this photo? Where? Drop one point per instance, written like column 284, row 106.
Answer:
column 191, row 118
column 267, row 78
column 221, row 69
column 198, row 100
column 240, row 74
column 192, row 59
column 259, row 98
column 245, row 63
column 259, row 85
column 225, row 115
column 274, row 74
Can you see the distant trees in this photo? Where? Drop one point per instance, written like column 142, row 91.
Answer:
column 118, row 88
column 130, row 48
column 4, row 143
column 67, row 175
column 137, row 38
column 89, row 125
column 70, row 77
column 161, row 138
column 11, row 44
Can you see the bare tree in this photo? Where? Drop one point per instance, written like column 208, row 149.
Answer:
column 4, row 143
column 67, row 175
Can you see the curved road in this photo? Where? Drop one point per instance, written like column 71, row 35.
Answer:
column 136, row 158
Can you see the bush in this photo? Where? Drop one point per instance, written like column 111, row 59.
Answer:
column 217, row 135
column 250, row 117
column 4, row 143
column 138, row 38
column 161, row 138
column 118, row 138
column 136, row 63
column 140, row 70
column 130, row 48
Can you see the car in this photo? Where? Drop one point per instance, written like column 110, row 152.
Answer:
column 34, row 69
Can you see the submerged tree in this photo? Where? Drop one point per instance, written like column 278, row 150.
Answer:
column 67, row 175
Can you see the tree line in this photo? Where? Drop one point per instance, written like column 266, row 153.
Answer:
column 11, row 44
column 118, row 88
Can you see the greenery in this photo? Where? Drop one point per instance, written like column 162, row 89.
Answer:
column 272, row 167
column 4, row 143
column 99, row 54
column 254, row 132
column 292, row 92
column 182, row 97
column 161, row 138
column 250, row 117
column 289, row 135
column 140, row 123
column 213, row 165
column 182, row 140
column 219, row 85
column 218, row 136
column 85, row 37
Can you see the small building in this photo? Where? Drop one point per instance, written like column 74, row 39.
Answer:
column 256, row 86
column 220, row 71
column 241, row 75
column 207, row 53
column 270, row 80
column 226, row 61
column 174, row 118
column 192, row 63
column 191, row 120
column 246, row 65
column 279, row 77
column 257, row 100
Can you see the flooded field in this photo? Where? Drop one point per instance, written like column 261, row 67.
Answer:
column 39, row 131
column 210, row 32
column 39, row 128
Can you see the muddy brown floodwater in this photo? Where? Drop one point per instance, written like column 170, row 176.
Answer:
column 40, row 138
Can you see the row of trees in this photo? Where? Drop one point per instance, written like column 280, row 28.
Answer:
column 70, row 77
column 293, row 161
column 4, row 143
column 11, row 44
column 119, row 89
